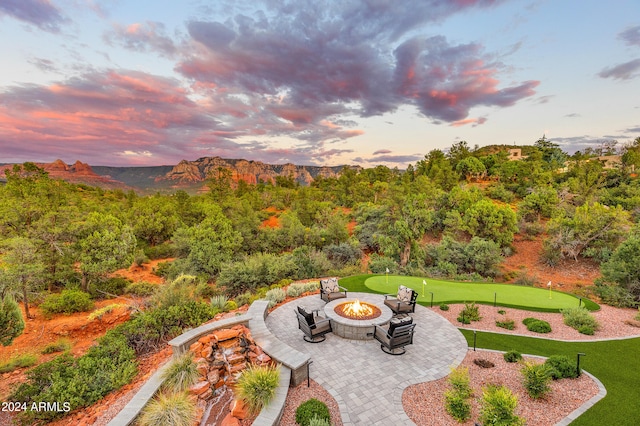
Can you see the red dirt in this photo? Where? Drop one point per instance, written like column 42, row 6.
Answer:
column 143, row 273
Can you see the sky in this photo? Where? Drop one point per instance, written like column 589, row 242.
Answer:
column 369, row 82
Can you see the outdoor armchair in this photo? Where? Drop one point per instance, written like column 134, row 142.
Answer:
column 402, row 303
column 313, row 326
column 330, row 290
column 396, row 336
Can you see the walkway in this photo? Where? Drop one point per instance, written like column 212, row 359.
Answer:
column 366, row 382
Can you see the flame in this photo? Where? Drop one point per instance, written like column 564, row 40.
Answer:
column 357, row 310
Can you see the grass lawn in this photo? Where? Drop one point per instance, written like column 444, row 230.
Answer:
column 613, row 362
column 513, row 296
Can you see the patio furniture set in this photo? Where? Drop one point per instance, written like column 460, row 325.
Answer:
column 390, row 323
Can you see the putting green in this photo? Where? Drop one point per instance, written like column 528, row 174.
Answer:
column 456, row 292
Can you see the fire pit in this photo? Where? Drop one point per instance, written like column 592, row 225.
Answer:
column 356, row 318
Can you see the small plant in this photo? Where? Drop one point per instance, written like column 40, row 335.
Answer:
column 140, row 258
column 312, row 408
column 68, row 302
column 257, row 386
column 508, row 324
column 561, row 367
column 141, row 289
column 483, row 363
column 460, row 382
column 537, row 325
column 318, row 421
column 19, row 361
column 11, row 321
column 498, row 407
column 99, row 313
column 536, row 379
column 469, row 313
column 444, row 307
column 169, row 409
column 275, row 296
column 580, row 319
column 60, row 345
column 180, row 374
column 219, row 302
column 512, row 356
column 457, row 405
column 244, row 298
column 502, row 312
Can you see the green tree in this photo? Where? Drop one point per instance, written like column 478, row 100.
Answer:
column 540, row 203
column 11, row 321
column 438, row 168
column 153, row 219
column 23, row 268
column 622, row 267
column 471, row 168
column 485, row 219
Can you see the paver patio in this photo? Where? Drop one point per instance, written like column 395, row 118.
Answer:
column 366, row 382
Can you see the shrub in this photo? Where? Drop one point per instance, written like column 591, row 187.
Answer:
column 460, row 382
column 142, row 289
column 180, row 374
column 160, row 251
column 11, row 321
column 231, row 305
column 498, row 407
column 219, row 302
column 512, row 356
column 108, row 288
column 310, row 409
column 244, row 298
column 536, row 379
column 318, row 421
column 469, row 313
column 19, row 361
column 561, row 367
column 508, row 324
column 169, row 409
column 275, row 296
column 295, row 290
column 444, row 307
column 342, row 254
column 257, row 386
column 580, row 319
column 536, row 325
column 205, row 291
column 457, row 405
column 98, row 313
column 60, row 345
column 68, row 301
column 615, row 295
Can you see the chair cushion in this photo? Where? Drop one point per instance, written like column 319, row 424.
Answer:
column 404, row 294
column 397, row 322
column 308, row 316
column 330, row 285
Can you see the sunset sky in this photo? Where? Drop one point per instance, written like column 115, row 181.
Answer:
column 137, row 82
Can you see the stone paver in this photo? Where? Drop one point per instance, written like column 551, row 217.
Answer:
column 366, row 382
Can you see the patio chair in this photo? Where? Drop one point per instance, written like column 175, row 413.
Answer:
column 403, row 303
column 313, row 326
column 330, row 290
column 398, row 335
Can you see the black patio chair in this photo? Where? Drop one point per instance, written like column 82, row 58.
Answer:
column 313, row 326
column 402, row 303
column 398, row 335
column 330, row 290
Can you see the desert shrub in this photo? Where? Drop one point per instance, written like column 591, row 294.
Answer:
column 60, row 345
column 498, row 407
column 512, row 356
column 523, row 278
column 500, row 192
column 310, row 409
column 11, row 321
column 140, row 257
column 98, row 313
column 108, row 288
column 295, row 290
column 257, row 386
column 169, row 409
column 68, row 301
column 244, row 298
column 255, row 270
column 18, row 361
column 614, row 295
column 160, row 251
column 219, row 302
column 185, row 280
column 460, row 381
column 180, row 374
column 163, row 269
column 580, row 319
column 561, row 367
column 342, row 254
column 536, row 378
column 537, row 325
column 142, row 289
column 457, row 405
column 379, row 264
column 205, row 291
column 469, row 313
column 231, row 305
column 508, row 324
column 275, row 296
column 444, row 307
column 318, row 421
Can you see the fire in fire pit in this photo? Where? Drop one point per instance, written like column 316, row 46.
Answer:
column 357, row 310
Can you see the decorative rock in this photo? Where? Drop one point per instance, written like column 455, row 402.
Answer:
column 226, row 334
column 264, row 358
column 206, row 352
column 230, row 421
column 196, row 347
column 203, row 368
column 206, row 395
column 235, row 358
column 199, row 388
column 206, row 339
column 238, row 409
column 213, row 376
column 237, row 368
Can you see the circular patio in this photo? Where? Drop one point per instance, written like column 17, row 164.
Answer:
column 366, row 382
column 358, row 329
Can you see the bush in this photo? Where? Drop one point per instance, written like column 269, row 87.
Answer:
column 98, row 313
column 140, row 257
column 295, row 290
column 142, row 289
column 244, row 298
column 19, row 361
column 219, row 302
column 536, row 325
column 180, row 374
column 469, row 313
column 275, row 296
column 379, row 264
column 561, row 367
column 169, row 409
column 160, row 251
column 11, row 321
column 257, row 386
column 580, row 319
column 108, row 288
column 460, row 382
column 60, row 345
column 614, row 295
column 512, row 356
column 457, row 405
column 68, row 302
column 310, row 409
column 508, row 324
column 498, row 407
column 318, row 421
column 205, row 291
column 444, row 307
column 342, row 254
column 536, row 379
column 254, row 271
